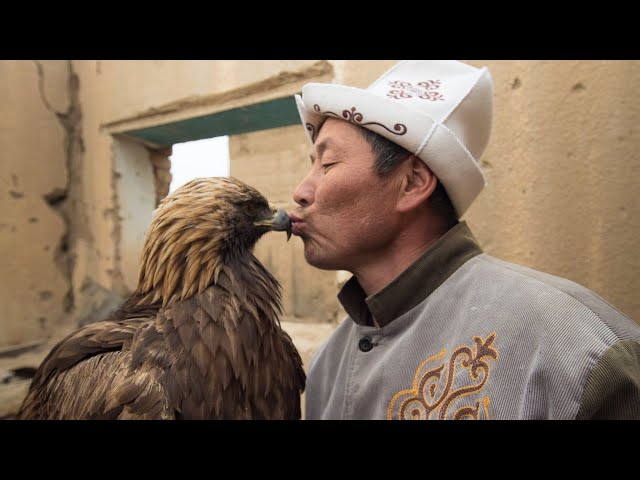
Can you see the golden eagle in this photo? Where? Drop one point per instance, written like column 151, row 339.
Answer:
column 200, row 337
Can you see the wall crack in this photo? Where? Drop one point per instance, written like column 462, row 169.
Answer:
column 66, row 201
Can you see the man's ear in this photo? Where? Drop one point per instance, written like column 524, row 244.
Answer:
column 417, row 184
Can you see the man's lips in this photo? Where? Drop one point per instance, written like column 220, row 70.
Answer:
column 296, row 223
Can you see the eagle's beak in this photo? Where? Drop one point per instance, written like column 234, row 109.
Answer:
column 279, row 222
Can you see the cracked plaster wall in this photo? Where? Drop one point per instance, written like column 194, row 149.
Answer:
column 36, row 146
column 77, row 197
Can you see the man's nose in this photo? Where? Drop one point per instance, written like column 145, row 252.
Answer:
column 304, row 194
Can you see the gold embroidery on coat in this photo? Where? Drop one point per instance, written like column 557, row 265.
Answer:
column 434, row 394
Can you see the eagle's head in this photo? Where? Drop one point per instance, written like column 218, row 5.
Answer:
column 197, row 230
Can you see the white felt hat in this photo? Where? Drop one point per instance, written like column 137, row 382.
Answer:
column 440, row 110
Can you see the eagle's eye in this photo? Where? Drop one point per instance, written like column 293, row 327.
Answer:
column 253, row 208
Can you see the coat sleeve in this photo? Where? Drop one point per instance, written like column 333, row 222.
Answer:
column 612, row 391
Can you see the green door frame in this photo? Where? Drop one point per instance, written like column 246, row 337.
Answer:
column 280, row 112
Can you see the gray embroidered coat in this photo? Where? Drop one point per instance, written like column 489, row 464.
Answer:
column 463, row 335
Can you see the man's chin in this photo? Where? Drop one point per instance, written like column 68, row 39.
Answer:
column 319, row 261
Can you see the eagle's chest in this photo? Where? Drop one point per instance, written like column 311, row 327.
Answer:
column 218, row 352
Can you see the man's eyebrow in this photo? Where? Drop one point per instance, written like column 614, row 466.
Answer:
column 320, row 148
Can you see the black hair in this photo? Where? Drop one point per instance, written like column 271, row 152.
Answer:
column 389, row 155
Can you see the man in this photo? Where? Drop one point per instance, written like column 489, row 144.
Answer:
column 437, row 329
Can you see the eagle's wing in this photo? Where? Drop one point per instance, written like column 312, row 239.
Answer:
column 87, row 376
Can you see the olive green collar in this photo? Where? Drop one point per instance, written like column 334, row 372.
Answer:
column 413, row 285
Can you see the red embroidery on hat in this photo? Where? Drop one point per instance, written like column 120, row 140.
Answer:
column 423, row 90
column 356, row 117
column 312, row 130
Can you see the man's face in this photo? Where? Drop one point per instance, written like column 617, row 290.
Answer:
column 346, row 211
